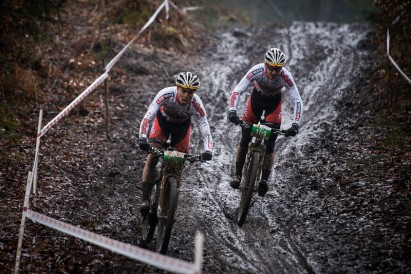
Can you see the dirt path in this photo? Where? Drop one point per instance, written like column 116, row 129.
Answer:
column 318, row 217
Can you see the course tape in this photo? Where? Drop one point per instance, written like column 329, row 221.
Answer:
column 76, row 101
column 133, row 252
column 392, row 60
column 102, row 77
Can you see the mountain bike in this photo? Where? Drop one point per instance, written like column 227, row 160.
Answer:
column 164, row 196
column 253, row 164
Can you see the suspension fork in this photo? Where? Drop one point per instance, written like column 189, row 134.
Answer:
column 167, row 173
column 254, row 147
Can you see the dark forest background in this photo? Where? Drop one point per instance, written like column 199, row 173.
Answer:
column 274, row 11
column 29, row 53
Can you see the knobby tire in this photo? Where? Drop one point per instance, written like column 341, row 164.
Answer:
column 247, row 191
column 150, row 220
column 166, row 220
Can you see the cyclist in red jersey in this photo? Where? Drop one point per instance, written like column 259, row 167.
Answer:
column 270, row 80
column 170, row 114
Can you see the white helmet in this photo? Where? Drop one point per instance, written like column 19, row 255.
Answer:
column 187, row 80
column 274, row 57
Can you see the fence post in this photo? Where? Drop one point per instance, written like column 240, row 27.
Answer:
column 36, row 157
column 198, row 260
column 23, row 221
column 392, row 60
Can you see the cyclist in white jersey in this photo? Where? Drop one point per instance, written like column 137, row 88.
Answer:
column 270, row 80
column 169, row 115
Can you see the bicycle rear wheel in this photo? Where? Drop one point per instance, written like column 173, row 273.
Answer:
column 150, row 220
column 248, row 188
column 166, row 219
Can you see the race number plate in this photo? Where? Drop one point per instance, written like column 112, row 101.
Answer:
column 174, row 157
column 261, row 131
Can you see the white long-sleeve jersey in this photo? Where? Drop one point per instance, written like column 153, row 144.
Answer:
column 284, row 82
column 166, row 102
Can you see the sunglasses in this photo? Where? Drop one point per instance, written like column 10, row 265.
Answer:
column 272, row 68
column 188, row 90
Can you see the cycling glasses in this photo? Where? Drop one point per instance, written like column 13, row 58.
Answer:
column 272, row 68
column 188, row 90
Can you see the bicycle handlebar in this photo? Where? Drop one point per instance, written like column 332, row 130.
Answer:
column 189, row 157
column 246, row 125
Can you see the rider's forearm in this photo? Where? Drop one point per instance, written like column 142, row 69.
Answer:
column 298, row 109
column 206, row 134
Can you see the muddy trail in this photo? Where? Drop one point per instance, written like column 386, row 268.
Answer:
column 319, row 215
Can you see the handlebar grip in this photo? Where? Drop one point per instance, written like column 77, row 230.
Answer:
column 194, row 158
column 243, row 124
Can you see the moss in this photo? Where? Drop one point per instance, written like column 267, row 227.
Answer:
column 171, row 30
column 213, row 16
column 137, row 17
column 46, row 168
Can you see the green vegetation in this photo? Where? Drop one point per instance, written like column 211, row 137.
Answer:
column 137, row 15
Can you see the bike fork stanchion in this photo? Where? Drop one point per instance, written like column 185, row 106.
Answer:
column 198, row 259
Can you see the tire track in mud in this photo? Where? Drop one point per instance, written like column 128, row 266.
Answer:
column 266, row 242
column 319, row 105
column 219, row 93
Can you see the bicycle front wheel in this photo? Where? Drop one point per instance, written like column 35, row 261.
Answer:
column 248, row 187
column 166, row 217
column 150, row 219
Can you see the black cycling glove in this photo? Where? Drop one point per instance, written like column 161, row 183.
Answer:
column 206, row 155
column 292, row 131
column 143, row 144
column 233, row 117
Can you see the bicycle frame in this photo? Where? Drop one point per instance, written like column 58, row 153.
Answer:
column 253, row 164
column 171, row 166
column 164, row 202
column 260, row 134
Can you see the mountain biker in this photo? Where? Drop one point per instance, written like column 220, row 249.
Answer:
column 170, row 114
column 271, row 80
